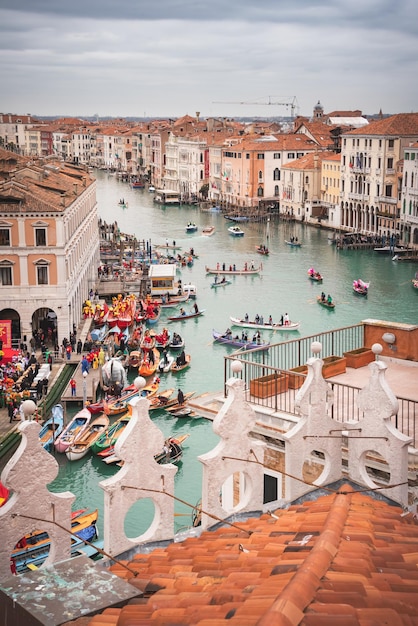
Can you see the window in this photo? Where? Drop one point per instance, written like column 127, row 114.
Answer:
column 6, row 274
column 276, row 190
column 290, row 155
column 390, row 164
column 276, row 155
column 260, row 175
column 276, row 174
column 4, row 236
column 42, row 273
column 299, row 155
column 40, row 236
column 260, row 192
column 391, row 143
column 388, row 191
column 247, row 155
column 260, row 155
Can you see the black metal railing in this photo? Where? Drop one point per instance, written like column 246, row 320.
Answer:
column 266, row 369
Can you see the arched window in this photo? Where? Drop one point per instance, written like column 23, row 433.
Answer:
column 260, row 192
column 260, row 175
column 276, row 190
column 276, row 174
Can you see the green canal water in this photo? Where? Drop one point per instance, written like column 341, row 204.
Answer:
column 283, row 286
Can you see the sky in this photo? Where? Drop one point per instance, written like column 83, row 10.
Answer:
column 169, row 58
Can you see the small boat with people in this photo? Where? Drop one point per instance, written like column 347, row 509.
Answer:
column 262, row 249
column 314, row 275
column 232, row 270
column 191, row 227
column 208, row 231
column 285, row 323
column 325, row 301
column 181, row 362
column 293, row 242
column 236, row 231
column 185, row 315
column 240, row 342
column 52, row 428
column 172, row 452
column 415, row 281
column 220, row 283
column 360, row 287
column 177, row 342
column 74, row 429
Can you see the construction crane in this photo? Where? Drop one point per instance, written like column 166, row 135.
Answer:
column 289, row 101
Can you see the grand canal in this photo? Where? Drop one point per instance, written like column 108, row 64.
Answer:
column 282, row 287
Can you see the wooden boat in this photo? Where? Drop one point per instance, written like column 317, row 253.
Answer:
column 175, row 367
column 360, row 287
column 220, row 283
column 161, row 400
column 121, row 404
column 325, row 303
column 147, row 367
column 177, row 406
column 184, row 413
column 262, row 249
column 134, row 359
column 82, row 445
column 237, row 218
column 147, row 342
column 33, row 549
column 252, row 324
column 172, row 301
column 153, row 314
column 172, row 452
column 191, row 227
column 177, row 342
column 109, row 437
column 137, row 184
column 415, row 281
column 74, row 429
column 186, row 316
column 236, row 231
column 294, row 243
column 52, row 428
column 208, row 231
column 315, row 276
column 234, row 272
column 168, row 246
column 238, row 343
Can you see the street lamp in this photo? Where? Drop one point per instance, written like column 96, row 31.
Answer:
column 85, row 374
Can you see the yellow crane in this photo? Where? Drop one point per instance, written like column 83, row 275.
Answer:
column 287, row 101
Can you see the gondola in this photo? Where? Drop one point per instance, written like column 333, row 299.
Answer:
column 186, row 316
column 253, row 324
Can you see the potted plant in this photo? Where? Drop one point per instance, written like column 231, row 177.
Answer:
column 359, row 358
column 270, row 385
column 297, row 376
column 333, row 365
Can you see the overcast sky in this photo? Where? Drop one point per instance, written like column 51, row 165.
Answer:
column 172, row 57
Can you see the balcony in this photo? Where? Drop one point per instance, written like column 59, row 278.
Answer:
column 390, row 171
column 385, row 200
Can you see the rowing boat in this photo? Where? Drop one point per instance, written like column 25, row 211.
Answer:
column 185, row 316
column 245, row 271
column 221, row 283
column 83, row 444
column 239, row 343
column 325, row 303
column 252, row 324
column 52, row 428
column 75, row 428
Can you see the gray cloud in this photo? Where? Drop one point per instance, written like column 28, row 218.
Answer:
column 167, row 58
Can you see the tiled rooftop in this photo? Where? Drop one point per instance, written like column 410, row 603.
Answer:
column 343, row 558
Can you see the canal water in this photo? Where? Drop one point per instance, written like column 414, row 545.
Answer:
column 282, row 287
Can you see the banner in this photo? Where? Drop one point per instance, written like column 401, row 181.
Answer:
column 6, row 334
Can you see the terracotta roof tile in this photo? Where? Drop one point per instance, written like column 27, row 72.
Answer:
column 342, row 559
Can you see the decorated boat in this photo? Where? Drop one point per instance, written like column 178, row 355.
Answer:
column 162, row 339
column 100, row 314
column 415, row 281
column 247, row 323
column 149, row 366
column 236, row 231
column 52, row 428
column 185, row 315
column 246, row 270
column 325, row 302
column 360, row 287
column 74, row 429
column 314, row 275
column 134, row 359
column 152, row 313
column 148, row 341
column 83, row 444
column 238, row 342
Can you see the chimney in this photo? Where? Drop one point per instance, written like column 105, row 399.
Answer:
column 62, row 199
column 75, row 188
column 197, row 116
